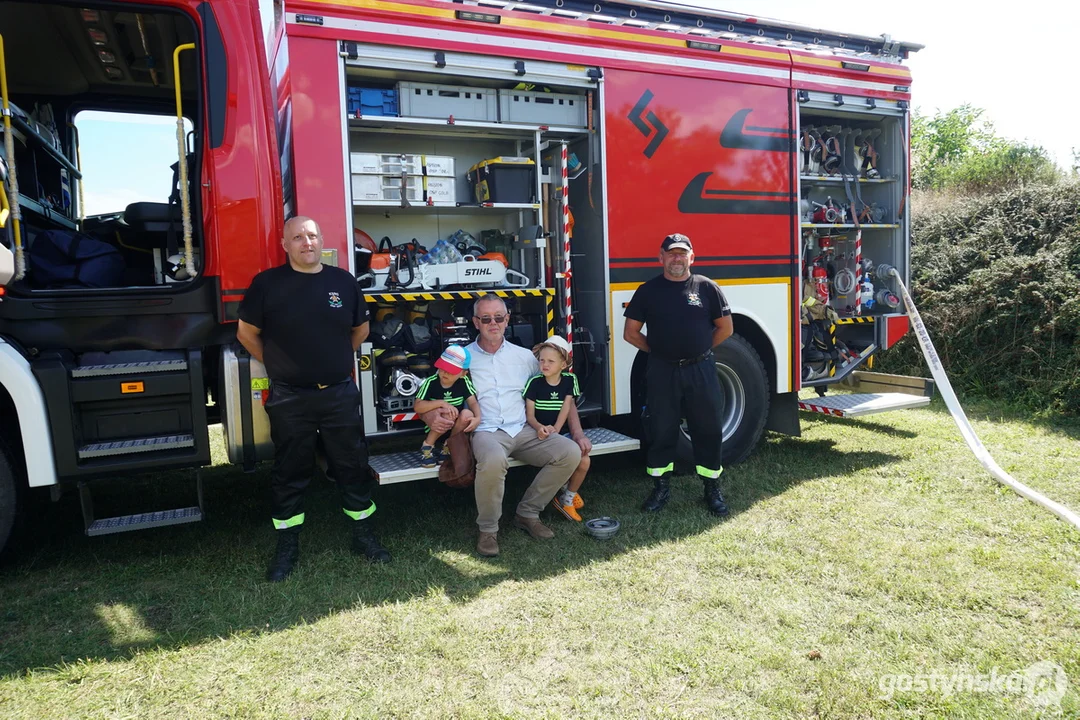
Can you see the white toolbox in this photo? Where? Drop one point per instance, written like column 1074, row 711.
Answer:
column 417, row 189
column 440, row 189
column 399, row 163
column 387, row 187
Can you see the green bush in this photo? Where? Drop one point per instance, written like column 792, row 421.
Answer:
column 996, row 278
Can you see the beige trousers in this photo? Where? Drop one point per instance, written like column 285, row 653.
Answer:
column 557, row 457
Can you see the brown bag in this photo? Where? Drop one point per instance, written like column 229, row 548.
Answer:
column 460, row 470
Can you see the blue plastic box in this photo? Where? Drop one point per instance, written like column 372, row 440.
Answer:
column 372, row 101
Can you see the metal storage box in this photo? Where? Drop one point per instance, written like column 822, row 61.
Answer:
column 541, row 108
column 442, row 101
column 237, row 394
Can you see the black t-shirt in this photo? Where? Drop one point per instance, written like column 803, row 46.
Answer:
column 549, row 398
column 456, row 394
column 678, row 315
column 306, row 321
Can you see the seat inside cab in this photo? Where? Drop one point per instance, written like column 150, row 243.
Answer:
column 94, row 159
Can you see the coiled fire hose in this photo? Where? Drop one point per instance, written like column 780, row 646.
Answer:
column 957, row 412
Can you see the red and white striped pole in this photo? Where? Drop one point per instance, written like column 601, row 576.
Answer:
column 566, row 243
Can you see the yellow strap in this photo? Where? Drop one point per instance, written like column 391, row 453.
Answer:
column 13, row 178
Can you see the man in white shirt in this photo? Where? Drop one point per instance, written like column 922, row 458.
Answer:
column 499, row 371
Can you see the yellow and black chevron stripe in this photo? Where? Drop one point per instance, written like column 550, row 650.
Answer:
column 854, row 320
column 455, row 295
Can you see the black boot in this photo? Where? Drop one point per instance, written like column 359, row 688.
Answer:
column 285, row 557
column 659, row 496
column 365, row 543
column 714, row 499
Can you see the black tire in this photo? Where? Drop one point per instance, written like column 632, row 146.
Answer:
column 746, row 402
column 8, row 498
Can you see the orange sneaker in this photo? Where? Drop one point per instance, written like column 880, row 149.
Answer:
column 568, row 511
column 578, row 502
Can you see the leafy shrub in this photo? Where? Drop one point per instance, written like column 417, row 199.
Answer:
column 996, row 278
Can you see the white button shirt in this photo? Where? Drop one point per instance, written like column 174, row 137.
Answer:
column 499, row 378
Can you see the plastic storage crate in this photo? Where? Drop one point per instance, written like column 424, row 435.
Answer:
column 541, row 108
column 504, row 180
column 387, row 188
column 372, row 101
column 398, row 163
column 442, row 101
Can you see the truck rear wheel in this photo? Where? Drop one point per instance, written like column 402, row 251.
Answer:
column 745, row 385
column 8, row 497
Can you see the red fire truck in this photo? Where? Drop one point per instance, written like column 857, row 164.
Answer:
column 536, row 150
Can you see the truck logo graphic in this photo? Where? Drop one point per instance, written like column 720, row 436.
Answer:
column 646, row 128
column 737, row 135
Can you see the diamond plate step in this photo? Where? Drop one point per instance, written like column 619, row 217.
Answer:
column 859, row 404
column 405, row 466
column 143, row 521
column 136, row 445
column 131, row 368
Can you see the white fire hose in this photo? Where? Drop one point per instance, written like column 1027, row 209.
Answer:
column 957, row 412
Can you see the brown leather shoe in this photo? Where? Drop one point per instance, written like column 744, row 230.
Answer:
column 487, row 545
column 534, row 527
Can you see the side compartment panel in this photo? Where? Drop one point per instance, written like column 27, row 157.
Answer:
column 707, row 158
column 767, row 305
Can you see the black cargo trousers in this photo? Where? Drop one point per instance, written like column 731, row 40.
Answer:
column 299, row 417
column 675, row 390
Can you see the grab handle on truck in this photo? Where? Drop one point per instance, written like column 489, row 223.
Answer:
column 185, row 191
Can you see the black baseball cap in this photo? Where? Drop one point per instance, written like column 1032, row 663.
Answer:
column 676, row 241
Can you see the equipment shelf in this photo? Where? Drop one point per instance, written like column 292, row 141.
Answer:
column 840, row 180
column 374, row 296
column 448, row 208
column 440, row 127
column 848, row 225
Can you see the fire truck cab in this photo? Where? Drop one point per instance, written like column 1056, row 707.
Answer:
column 538, row 151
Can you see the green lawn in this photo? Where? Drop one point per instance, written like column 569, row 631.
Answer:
column 859, row 558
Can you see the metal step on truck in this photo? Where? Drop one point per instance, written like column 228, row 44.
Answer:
column 152, row 151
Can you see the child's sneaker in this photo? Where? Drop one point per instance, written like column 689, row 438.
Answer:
column 567, row 510
column 444, row 453
column 427, row 456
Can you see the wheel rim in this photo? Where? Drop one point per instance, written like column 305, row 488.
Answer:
column 734, row 401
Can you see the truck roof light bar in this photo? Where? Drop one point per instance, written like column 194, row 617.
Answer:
column 655, row 15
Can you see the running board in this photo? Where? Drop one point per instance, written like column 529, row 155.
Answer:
column 405, row 466
column 138, row 521
column 136, row 445
column 860, row 404
column 129, row 368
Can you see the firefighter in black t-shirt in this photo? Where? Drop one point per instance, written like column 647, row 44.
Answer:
column 687, row 316
column 305, row 321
